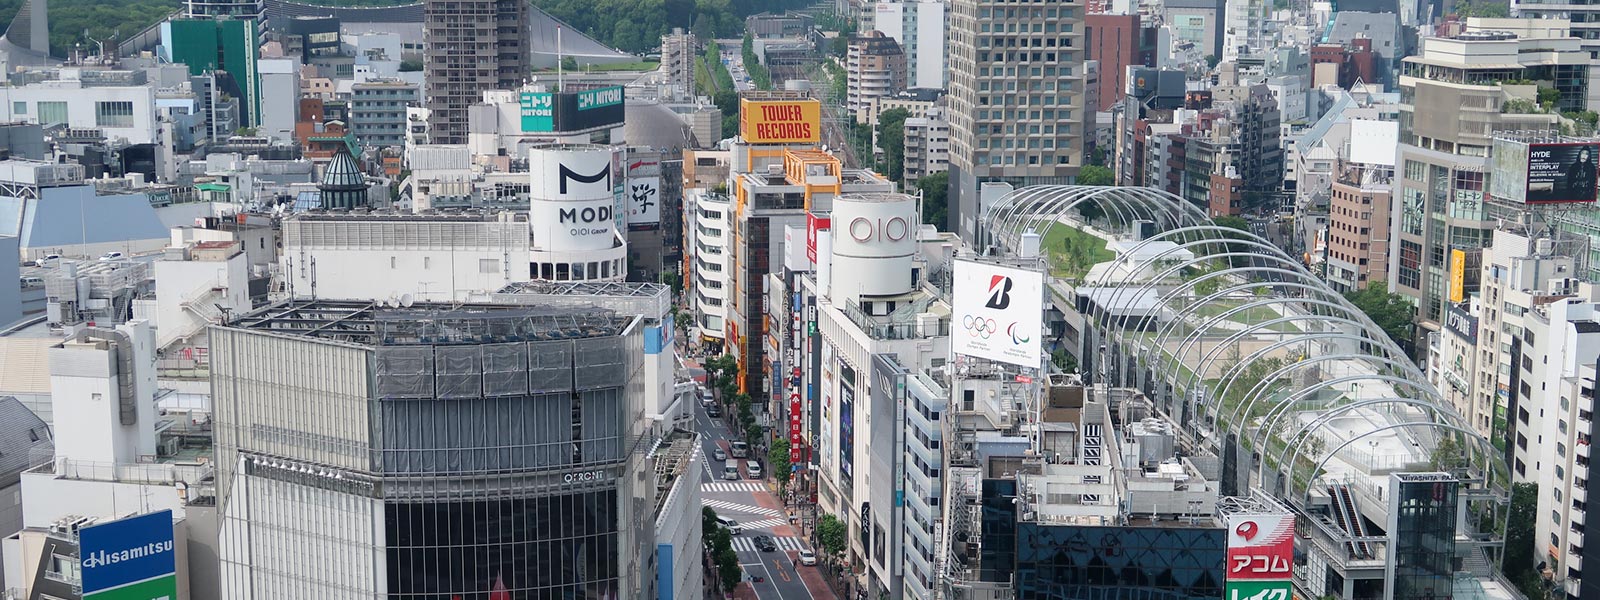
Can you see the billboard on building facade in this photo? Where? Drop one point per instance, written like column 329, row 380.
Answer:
column 1260, row 546
column 998, row 313
column 1561, row 173
column 643, row 198
column 1374, row 142
column 780, row 121
column 132, row 558
column 547, row 112
column 1544, row 173
column 572, row 199
column 815, row 221
column 847, row 420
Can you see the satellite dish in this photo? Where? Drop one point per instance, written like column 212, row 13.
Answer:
column 406, row 300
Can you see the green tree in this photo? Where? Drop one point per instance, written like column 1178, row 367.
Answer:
column 1483, row 8
column 831, row 535
column 1519, row 561
column 1064, row 361
column 728, row 568
column 1448, row 456
column 935, row 199
column 1391, row 312
column 411, row 65
column 778, row 461
column 752, row 65
column 1096, row 175
column 752, row 434
column 1241, row 231
column 569, row 63
column 892, row 139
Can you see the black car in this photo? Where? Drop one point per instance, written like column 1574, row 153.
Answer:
column 765, row 544
column 713, row 411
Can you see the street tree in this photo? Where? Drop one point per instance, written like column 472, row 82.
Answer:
column 831, row 535
column 778, row 461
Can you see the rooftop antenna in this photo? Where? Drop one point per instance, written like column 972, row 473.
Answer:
column 559, row 58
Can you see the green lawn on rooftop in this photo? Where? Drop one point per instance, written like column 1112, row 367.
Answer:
column 1073, row 251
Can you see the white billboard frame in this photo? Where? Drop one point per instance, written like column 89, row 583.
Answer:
column 998, row 313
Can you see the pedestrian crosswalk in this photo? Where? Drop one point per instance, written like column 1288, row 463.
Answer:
column 722, row 506
column 747, row 543
column 762, row 524
column 733, row 486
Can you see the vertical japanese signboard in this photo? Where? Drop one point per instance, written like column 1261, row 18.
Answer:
column 1260, row 556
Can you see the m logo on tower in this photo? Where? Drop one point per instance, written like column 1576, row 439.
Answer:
column 999, row 292
column 566, row 174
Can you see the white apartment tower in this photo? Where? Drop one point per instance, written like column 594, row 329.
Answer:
column 919, row 27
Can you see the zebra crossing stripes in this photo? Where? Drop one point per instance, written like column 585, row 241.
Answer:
column 743, row 543
column 723, row 506
column 733, row 486
column 762, row 524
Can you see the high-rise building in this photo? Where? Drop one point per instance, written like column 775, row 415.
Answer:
column 927, row 145
column 1443, row 173
column 876, row 69
column 378, row 111
column 1016, row 96
column 441, row 450
column 1117, row 42
column 470, row 46
column 1358, row 228
column 237, row 9
column 227, row 50
column 678, row 55
column 919, row 27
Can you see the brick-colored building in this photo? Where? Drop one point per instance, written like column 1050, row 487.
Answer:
column 1358, row 228
column 1118, row 42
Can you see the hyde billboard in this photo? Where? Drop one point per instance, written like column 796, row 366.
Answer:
column 998, row 313
column 1545, row 173
column 129, row 559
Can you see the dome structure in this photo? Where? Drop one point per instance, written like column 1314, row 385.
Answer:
column 343, row 185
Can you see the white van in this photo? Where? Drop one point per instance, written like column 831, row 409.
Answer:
column 754, row 468
column 732, row 525
column 731, row 472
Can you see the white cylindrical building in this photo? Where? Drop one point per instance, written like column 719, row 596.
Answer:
column 575, row 213
column 874, row 241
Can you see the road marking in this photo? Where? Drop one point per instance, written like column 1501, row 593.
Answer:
column 733, row 486
column 781, row 573
column 785, row 543
column 735, row 507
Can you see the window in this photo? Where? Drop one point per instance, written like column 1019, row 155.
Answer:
column 52, row 113
column 113, row 114
column 488, row 265
column 20, row 108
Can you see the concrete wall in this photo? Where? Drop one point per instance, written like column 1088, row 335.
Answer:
column 10, row 281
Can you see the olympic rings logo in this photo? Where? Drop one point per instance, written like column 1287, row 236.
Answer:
column 979, row 327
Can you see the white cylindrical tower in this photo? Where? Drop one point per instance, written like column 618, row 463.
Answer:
column 574, row 212
column 874, row 241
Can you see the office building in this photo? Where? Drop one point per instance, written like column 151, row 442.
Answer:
column 1016, row 99
column 1198, row 22
column 707, row 275
column 1245, row 30
column 1358, row 228
column 927, row 146
column 919, row 27
column 378, row 111
column 471, row 46
column 228, row 51
column 1443, row 169
column 250, row 10
column 680, row 52
column 1117, row 42
column 439, row 450
column 280, row 98
column 875, row 68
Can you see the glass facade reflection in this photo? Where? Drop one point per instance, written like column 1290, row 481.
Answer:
column 556, row 547
column 1422, row 531
column 1119, row 563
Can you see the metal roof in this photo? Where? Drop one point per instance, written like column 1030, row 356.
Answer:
column 24, row 440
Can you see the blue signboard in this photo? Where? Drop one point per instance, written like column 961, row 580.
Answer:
column 136, row 555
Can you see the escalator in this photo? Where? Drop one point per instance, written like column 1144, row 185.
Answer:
column 1345, row 514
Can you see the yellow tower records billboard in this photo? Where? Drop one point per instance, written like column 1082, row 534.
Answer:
column 780, row 121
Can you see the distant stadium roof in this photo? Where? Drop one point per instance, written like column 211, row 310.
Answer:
column 74, row 215
column 541, row 28
column 27, row 41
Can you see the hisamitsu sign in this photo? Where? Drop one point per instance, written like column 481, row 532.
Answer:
column 780, row 121
column 131, row 559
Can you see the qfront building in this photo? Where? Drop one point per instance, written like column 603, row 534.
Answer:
column 437, row 451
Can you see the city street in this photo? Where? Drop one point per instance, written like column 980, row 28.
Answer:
column 759, row 512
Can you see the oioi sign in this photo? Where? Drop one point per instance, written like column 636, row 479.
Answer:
column 130, row 559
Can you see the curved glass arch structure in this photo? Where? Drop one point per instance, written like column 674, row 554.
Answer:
column 1235, row 341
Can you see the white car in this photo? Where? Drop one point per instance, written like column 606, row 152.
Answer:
column 111, row 256
column 808, row 558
